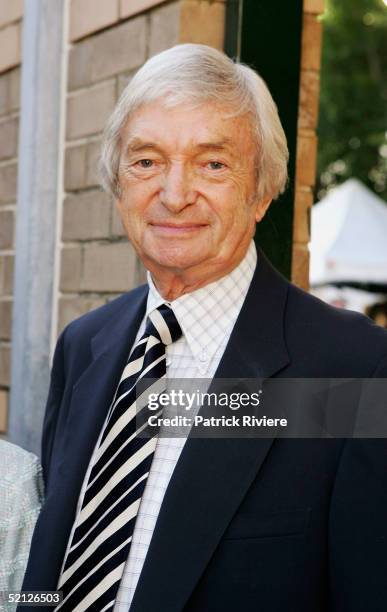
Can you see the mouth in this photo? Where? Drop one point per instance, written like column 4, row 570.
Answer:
column 177, row 229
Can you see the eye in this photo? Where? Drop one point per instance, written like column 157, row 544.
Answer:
column 215, row 165
column 145, row 163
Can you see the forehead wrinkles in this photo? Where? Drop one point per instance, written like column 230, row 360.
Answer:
column 182, row 128
column 136, row 144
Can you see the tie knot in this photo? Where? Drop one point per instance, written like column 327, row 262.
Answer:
column 164, row 323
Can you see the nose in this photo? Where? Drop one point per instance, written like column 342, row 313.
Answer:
column 177, row 192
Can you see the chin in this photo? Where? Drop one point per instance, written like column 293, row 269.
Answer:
column 175, row 254
column 174, row 263
column 180, row 260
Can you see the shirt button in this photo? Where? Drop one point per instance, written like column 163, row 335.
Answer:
column 203, row 356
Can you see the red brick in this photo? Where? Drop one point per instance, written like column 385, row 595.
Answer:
column 306, row 159
column 301, row 221
column 314, row 6
column 309, row 99
column 300, row 266
column 311, row 43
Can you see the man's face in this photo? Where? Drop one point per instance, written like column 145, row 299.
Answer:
column 187, row 179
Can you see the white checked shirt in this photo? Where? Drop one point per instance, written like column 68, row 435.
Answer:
column 206, row 317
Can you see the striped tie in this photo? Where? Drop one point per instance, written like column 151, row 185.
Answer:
column 100, row 545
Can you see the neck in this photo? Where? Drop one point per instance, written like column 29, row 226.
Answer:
column 173, row 284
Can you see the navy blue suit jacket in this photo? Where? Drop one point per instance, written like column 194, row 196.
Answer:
column 257, row 524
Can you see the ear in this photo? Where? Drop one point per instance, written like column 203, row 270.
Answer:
column 261, row 209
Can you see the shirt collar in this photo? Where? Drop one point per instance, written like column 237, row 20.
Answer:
column 215, row 305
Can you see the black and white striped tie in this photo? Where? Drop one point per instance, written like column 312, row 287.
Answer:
column 101, row 540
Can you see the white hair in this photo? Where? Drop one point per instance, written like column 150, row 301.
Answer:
column 193, row 74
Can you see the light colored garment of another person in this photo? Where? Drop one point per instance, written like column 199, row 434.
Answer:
column 21, row 497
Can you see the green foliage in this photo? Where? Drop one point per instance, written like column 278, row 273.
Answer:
column 353, row 101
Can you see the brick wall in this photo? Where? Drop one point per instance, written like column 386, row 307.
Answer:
column 10, row 34
column 306, row 139
column 108, row 42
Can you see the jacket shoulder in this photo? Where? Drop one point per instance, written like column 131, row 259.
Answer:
column 346, row 341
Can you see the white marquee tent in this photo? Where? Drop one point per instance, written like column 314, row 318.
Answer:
column 349, row 237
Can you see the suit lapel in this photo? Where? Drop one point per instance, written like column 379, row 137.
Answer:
column 94, row 390
column 213, row 475
column 90, row 401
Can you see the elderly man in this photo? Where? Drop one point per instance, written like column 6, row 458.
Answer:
column 194, row 153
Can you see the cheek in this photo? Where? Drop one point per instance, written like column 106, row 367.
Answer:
column 231, row 207
column 134, row 205
column 137, row 193
column 131, row 220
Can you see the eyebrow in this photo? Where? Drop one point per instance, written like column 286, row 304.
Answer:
column 135, row 144
column 217, row 146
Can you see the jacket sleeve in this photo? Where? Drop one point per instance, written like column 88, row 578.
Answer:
column 358, row 525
